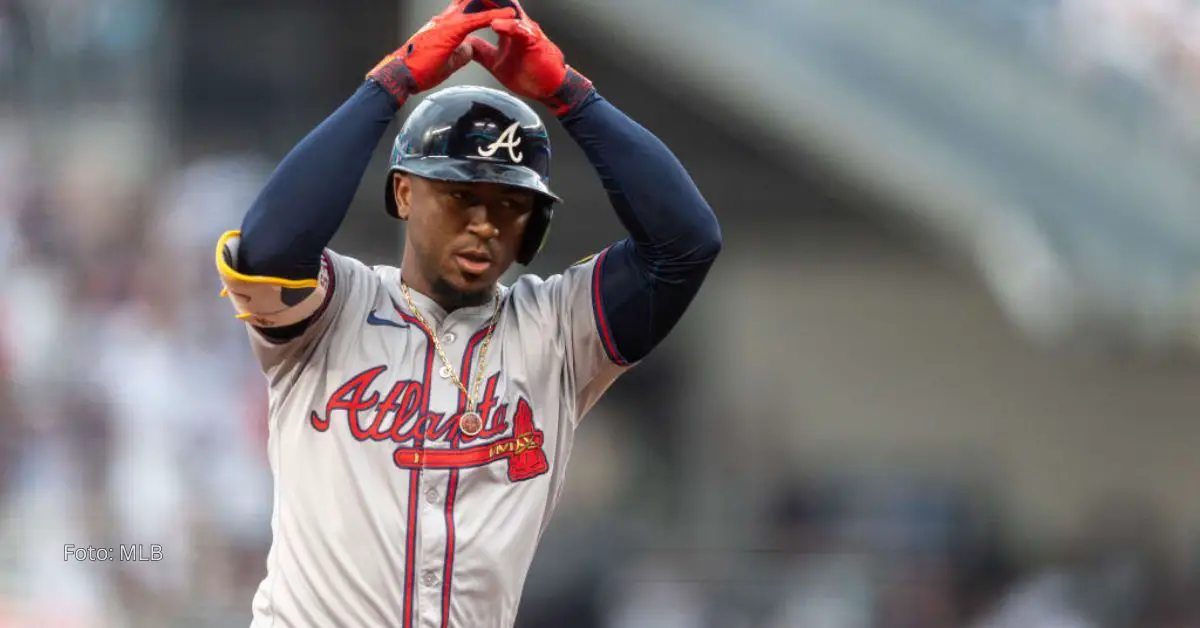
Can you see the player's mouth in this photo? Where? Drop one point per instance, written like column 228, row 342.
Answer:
column 473, row 262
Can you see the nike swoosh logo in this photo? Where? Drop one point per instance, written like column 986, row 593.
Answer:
column 372, row 319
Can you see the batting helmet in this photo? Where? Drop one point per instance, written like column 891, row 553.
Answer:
column 478, row 134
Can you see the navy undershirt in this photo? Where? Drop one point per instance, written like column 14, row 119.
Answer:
column 647, row 280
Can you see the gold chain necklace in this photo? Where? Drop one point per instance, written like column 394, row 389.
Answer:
column 470, row 422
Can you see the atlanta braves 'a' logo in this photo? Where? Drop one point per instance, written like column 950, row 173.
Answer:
column 397, row 416
column 508, row 140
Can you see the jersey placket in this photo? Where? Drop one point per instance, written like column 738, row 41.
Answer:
column 435, row 516
column 431, row 530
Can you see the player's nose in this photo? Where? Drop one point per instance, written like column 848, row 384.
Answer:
column 480, row 223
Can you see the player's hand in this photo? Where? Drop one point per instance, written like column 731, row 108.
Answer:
column 437, row 50
column 529, row 64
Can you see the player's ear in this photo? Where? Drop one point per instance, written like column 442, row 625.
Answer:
column 402, row 189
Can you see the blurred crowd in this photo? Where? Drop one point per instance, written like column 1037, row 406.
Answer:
column 131, row 411
column 1139, row 59
column 133, row 414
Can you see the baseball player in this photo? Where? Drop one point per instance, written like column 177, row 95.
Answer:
column 422, row 416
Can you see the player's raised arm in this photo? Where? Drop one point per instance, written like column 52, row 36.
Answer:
column 641, row 286
column 273, row 267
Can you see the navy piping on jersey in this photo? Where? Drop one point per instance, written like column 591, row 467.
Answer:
column 606, row 340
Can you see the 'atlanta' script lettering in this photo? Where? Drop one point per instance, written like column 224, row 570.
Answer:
column 397, row 416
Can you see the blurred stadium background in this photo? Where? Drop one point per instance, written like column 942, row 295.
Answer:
column 944, row 374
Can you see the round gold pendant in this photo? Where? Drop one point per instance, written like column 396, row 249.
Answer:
column 470, row 423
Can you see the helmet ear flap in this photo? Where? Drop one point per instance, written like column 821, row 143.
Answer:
column 537, row 232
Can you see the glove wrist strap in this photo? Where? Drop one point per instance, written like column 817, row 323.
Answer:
column 574, row 90
column 395, row 79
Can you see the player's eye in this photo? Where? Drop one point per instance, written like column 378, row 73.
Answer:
column 459, row 195
column 516, row 204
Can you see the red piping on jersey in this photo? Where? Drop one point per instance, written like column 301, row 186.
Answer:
column 452, row 486
column 414, row 479
column 606, row 339
column 448, row 573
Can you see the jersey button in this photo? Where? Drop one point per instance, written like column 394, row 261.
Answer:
column 449, row 337
column 429, row 579
column 431, row 496
column 444, row 372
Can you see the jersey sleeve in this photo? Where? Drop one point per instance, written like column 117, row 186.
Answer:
column 572, row 300
column 344, row 288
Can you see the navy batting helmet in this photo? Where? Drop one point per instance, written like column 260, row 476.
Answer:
column 478, row 134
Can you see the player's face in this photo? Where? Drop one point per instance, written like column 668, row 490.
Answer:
column 465, row 234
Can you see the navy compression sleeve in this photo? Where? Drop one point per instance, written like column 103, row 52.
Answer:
column 648, row 280
column 307, row 197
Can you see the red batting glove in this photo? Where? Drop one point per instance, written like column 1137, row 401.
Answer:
column 436, row 51
column 529, row 64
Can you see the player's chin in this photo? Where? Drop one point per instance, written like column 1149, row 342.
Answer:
column 469, row 283
column 470, row 280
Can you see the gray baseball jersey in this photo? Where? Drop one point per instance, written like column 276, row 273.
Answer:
column 386, row 513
